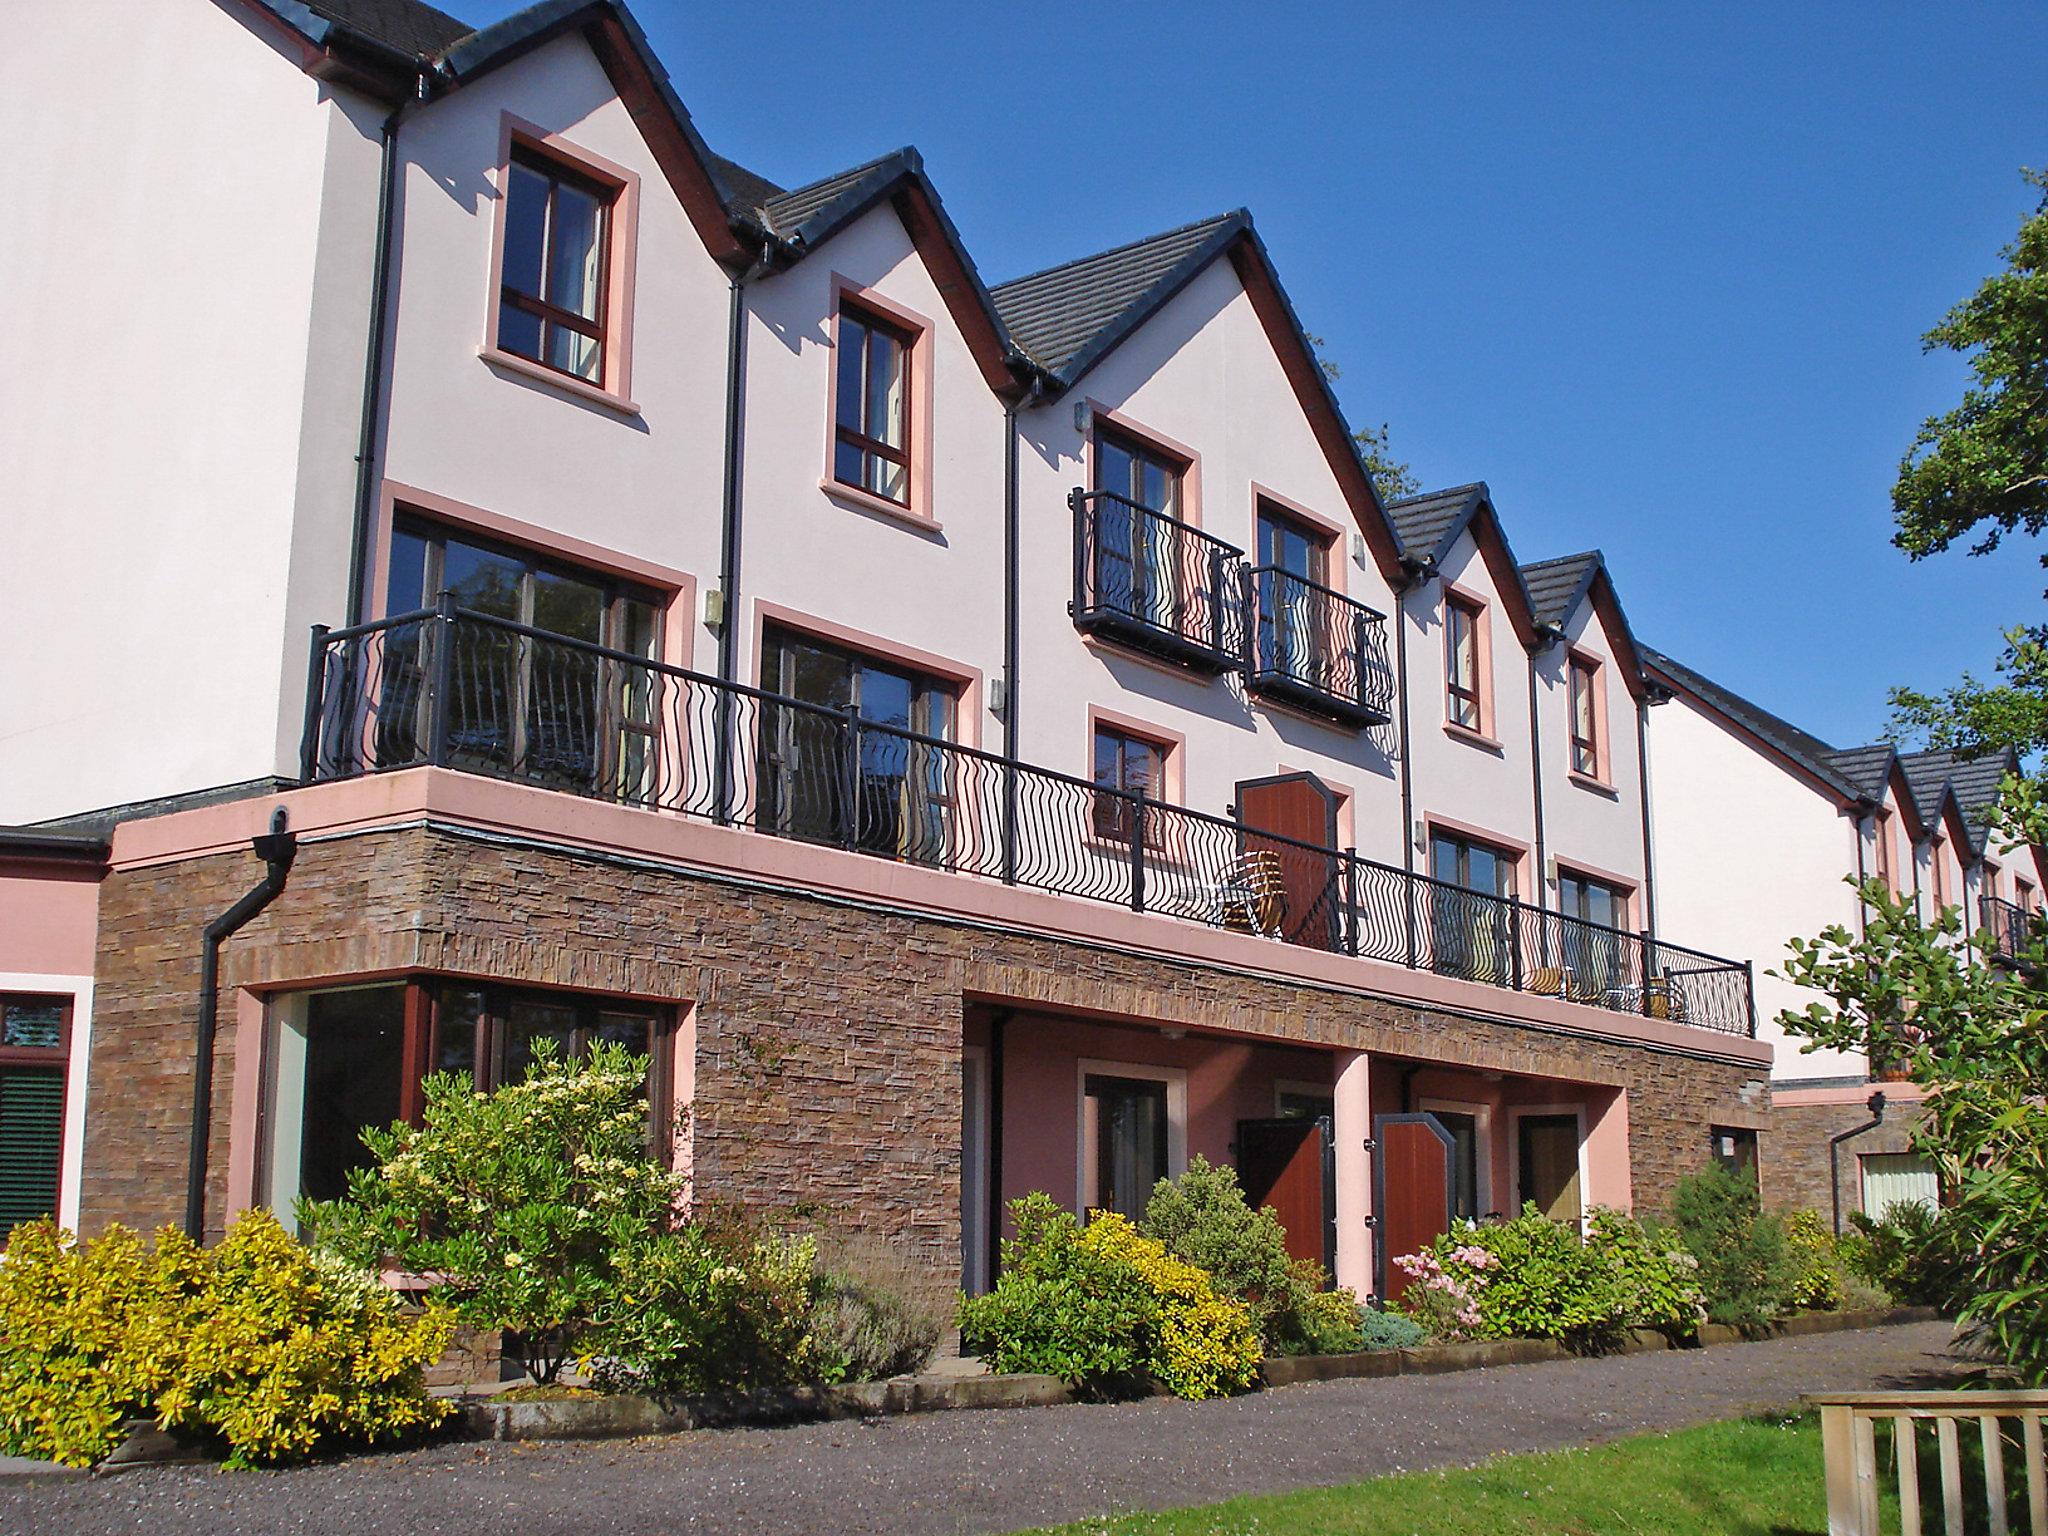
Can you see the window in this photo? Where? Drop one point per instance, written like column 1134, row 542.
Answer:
column 555, row 267
column 1463, row 1128
column 1140, row 556
column 2023, row 895
column 35, row 1054
column 342, row 1060
column 872, row 402
column 1132, row 764
column 1881, row 837
column 1594, row 952
column 1471, row 929
column 1583, row 675
column 1937, row 872
column 901, row 789
column 1897, row 1178
column 1735, row 1149
column 1124, row 1142
column 1463, row 699
column 560, row 714
column 1296, row 626
column 1592, row 901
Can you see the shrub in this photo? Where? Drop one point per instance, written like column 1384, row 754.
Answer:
column 875, row 1313
column 1105, row 1308
column 272, row 1348
column 1746, row 1264
column 701, row 1310
column 1817, row 1264
column 517, row 1201
column 1388, row 1330
column 1204, row 1218
column 1917, row 1256
column 1656, row 1277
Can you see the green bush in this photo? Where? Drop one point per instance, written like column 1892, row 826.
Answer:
column 260, row 1343
column 1106, row 1309
column 1378, row 1329
column 1818, row 1274
column 875, row 1313
column 1535, row 1278
column 517, row 1202
column 703, row 1309
column 1918, row 1256
column 1204, row 1218
column 1746, row 1264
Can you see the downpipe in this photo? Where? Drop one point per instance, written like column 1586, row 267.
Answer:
column 1875, row 1104
column 277, row 848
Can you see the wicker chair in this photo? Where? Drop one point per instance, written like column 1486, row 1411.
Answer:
column 1250, row 896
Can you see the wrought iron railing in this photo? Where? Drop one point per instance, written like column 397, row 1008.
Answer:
column 1153, row 581
column 1315, row 647
column 466, row 690
column 2006, row 922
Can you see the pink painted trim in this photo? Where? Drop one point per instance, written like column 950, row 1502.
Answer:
column 1596, row 786
column 1846, row 1093
column 922, row 361
column 1190, row 511
column 1628, row 885
column 245, row 1110
column 1470, row 737
column 967, row 680
column 1173, row 745
column 1482, row 646
column 1337, row 562
column 617, row 388
column 678, row 628
column 1602, row 776
column 405, row 798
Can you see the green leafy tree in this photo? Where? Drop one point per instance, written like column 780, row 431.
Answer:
column 1390, row 475
column 1974, row 1036
column 1980, row 471
column 520, row 1203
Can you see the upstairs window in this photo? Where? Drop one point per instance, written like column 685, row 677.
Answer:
column 871, row 449
column 1129, row 763
column 554, row 270
column 1881, row 836
column 1463, row 698
column 1583, row 676
column 1137, row 472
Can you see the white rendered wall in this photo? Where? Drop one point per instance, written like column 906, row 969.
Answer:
column 176, row 188
column 1747, row 857
column 1203, row 373
column 1588, row 826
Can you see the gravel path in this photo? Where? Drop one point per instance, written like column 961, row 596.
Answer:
column 988, row 1471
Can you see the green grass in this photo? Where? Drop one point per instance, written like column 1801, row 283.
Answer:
column 1742, row 1477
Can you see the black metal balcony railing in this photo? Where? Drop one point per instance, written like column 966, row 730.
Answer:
column 2006, row 922
column 1317, row 648
column 465, row 690
column 1151, row 581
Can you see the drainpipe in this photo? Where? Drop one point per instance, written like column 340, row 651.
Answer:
column 1549, row 637
column 1417, row 576
column 1875, row 1104
column 276, row 848
column 373, row 356
column 1643, row 798
column 1012, row 555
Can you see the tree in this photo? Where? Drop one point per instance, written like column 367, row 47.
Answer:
column 1982, row 469
column 1390, row 476
column 1974, row 1036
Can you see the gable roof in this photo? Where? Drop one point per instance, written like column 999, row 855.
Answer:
column 1558, row 586
column 1971, row 781
column 1865, row 767
column 406, row 25
column 1430, row 525
column 1806, row 753
column 1069, row 316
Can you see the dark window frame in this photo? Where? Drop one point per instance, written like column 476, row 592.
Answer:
column 1743, row 1159
column 1461, row 697
column 1110, row 815
column 857, row 437
column 1582, row 677
column 558, row 171
column 1141, row 451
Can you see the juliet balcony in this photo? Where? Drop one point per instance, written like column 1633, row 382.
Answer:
column 2008, row 923
column 1156, row 584
column 456, row 689
column 1315, row 648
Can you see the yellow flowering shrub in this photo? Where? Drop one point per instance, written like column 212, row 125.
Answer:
column 273, row 1348
column 1204, row 1343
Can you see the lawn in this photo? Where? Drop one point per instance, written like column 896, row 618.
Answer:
column 1742, row 1477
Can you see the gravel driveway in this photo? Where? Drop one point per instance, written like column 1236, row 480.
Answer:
column 988, row 1471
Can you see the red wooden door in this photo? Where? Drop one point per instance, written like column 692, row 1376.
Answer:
column 1302, row 808
column 1285, row 1164
column 1411, row 1191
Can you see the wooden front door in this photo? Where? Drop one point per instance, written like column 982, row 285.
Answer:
column 1547, row 1156
column 1302, row 808
column 1287, row 1164
column 1411, row 1192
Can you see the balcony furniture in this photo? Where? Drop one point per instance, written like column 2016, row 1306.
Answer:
column 454, row 689
column 1152, row 582
column 1252, row 895
column 1314, row 648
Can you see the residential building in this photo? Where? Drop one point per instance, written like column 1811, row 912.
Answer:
column 972, row 738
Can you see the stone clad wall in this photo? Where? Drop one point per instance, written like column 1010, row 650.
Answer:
column 827, row 1035
column 1794, row 1163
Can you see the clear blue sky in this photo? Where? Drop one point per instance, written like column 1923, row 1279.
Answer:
column 1656, row 273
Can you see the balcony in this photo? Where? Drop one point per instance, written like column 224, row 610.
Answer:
column 1156, row 584
column 464, row 690
column 1316, row 649
column 2009, row 926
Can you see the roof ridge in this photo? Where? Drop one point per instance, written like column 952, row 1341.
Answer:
column 846, row 172
column 1450, row 490
column 1118, row 250
column 1584, row 554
